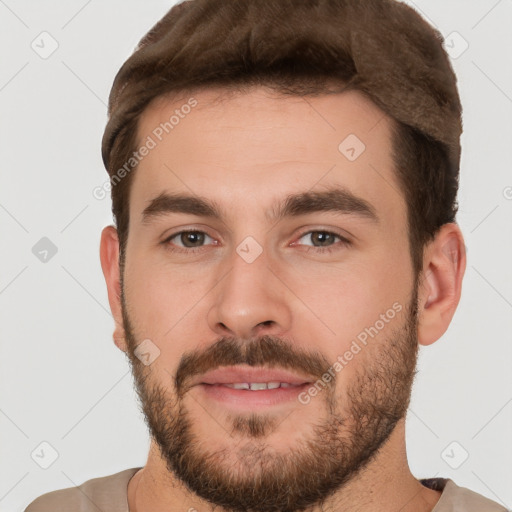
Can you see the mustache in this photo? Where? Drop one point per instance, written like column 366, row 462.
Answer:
column 267, row 351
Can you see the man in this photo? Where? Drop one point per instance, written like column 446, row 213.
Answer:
column 284, row 178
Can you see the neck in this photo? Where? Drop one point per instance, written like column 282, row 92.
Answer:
column 384, row 485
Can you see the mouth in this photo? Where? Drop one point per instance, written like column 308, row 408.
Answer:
column 257, row 386
column 249, row 388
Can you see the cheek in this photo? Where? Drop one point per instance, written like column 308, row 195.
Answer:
column 347, row 301
column 164, row 305
column 162, row 299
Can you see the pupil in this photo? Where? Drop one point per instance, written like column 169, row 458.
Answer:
column 321, row 234
column 189, row 237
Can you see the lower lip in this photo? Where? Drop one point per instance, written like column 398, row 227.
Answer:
column 246, row 398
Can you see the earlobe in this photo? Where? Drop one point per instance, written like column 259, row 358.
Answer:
column 440, row 288
column 109, row 256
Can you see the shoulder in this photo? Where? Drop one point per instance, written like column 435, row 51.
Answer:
column 107, row 492
column 456, row 498
column 468, row 500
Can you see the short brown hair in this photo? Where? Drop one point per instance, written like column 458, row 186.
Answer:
column 382, row 48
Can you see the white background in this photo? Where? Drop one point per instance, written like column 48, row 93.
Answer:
column 63, row 381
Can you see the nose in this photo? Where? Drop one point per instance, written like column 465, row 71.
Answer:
column 251, row 300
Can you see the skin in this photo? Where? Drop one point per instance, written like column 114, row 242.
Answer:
column 246, row 153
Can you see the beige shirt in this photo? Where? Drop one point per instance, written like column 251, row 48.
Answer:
column 109, row 494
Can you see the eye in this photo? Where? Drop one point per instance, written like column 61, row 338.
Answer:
column 193, row 241
column 325, row 239
column 186, row 241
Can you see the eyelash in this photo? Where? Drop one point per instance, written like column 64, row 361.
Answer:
column 321, row 250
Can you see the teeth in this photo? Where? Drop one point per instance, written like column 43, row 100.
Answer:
column 242, row 385
column 258, row 386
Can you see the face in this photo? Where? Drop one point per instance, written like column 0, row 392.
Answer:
column 287, row 271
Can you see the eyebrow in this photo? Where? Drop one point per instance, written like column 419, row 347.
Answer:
column 334, row 199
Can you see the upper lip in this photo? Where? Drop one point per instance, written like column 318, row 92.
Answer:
column 237, row 374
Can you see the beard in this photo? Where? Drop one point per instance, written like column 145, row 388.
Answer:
column 250, row 475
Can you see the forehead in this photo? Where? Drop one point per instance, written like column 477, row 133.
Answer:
column 246, row 148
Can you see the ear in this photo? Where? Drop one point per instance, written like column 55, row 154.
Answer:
column 109, row 256
column 444, row 264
